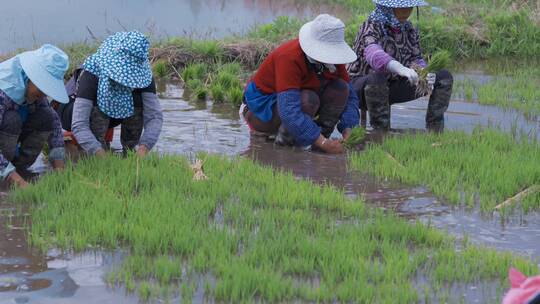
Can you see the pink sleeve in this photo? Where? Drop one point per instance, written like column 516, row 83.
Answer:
column 376, row 57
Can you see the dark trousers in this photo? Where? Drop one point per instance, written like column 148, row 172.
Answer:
column 31, row 135
column 131, row 127
column 130, row 132
column 377, row 92
column 325, row 107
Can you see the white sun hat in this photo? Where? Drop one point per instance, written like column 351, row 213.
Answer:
column 323, row 39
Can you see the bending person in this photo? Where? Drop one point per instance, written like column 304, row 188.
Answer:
column 388, row 47
column 27, row 121
column 301, row 90
column 114, row 88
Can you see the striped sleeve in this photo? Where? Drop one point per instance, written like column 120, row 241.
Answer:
column 298, row 124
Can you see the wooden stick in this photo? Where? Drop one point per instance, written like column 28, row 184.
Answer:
column 394, row 160
column 518, row 197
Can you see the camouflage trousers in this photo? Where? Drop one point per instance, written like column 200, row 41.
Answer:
column 377, row 92
column 131, row 128
column 30, row 136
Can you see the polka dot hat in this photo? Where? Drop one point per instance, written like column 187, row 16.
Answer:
column 121, row 65
column 401, row 3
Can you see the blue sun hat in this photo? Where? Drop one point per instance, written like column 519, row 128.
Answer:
column 121, row 65
column 401, row 3
column 45, row 67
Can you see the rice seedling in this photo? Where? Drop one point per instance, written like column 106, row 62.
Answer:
column 200, row 93
column 516, row 89
column 357, row 135
column 233, row 68
column 436, row 62
column 194, row 71
column 218, row 93
column 235, row 95
column 193, row 84
column 227, row 80
column 160, row 68
column 486, row 167
column 248, row 232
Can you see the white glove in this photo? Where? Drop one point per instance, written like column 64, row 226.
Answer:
column 431, row 78
column 397, row 68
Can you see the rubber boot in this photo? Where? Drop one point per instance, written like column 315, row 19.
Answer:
column 329, row 115
column 377, row 101
column 438, row 104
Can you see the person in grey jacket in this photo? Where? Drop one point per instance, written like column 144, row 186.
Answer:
column 27, row 121
column 116, row 87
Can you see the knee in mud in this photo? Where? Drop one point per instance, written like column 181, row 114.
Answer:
column 11, row 123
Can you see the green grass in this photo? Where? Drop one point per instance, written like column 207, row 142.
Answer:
column 160, row 68
column 517, row 88
column 484, row 168
column 468, row 29
column 246, row 234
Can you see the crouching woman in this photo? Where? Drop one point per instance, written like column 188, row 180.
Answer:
column 389, row 55
column 27, row 120
column 301, row 90
column 114, row 88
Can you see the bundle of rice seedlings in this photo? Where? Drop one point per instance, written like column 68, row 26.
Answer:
column 438, row 61
column 357, row 135
column 218, row 93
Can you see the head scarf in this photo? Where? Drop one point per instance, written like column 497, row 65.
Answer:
column 13, row 80
column 386, row 17
column 121, row 65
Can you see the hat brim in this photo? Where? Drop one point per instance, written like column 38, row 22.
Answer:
column 43, row 80
column 401, row 4
column 130, row 72
column 332, row 53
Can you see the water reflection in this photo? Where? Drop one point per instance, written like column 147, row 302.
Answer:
column 34, row 22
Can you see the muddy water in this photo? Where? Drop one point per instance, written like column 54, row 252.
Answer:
column 27, row 277
column 34, row 22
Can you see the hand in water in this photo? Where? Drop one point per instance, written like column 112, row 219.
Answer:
column 15, row 179
column 101, row 153
column 142, row 151
column 58, row 165
column 329, row 145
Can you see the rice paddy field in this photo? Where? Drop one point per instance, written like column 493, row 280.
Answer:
column 247, row 233
column 409, row 217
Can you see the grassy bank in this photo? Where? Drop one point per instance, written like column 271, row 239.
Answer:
column 247, row 234
column 484, row 168
column 469, row 30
